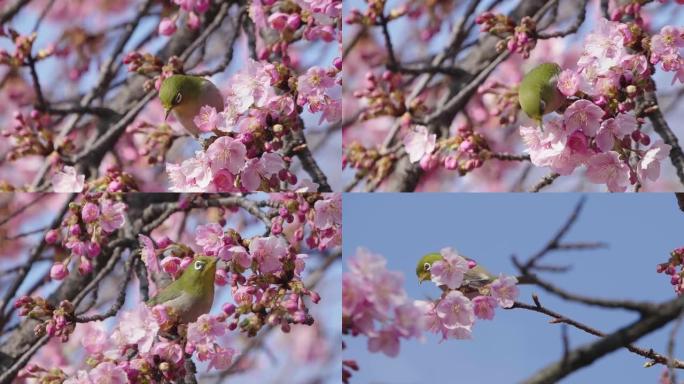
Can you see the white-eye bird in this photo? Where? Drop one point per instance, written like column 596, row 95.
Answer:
column 192, row 294
column 185, row 95
column 538, row 93
column 475, row 277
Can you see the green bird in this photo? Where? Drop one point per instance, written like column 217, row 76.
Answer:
column 538, row 93
column 185, row 95
column 192, row 294
column 475, row 277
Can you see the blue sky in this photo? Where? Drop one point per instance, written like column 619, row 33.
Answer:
column 640, row 231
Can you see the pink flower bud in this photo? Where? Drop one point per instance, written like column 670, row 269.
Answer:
column 221, row 277
column 92, row 250
column 75, row 230
column 51, row 236
column 293, row 21
column 450, row 162
column 167, row 27
column 201, row 6
column 90, row 212
column 229, row 309
column 278, row 20
column 58, row 271
column 193, row 21
column 164, row 242
column 85, row 266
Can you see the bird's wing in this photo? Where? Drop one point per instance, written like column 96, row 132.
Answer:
column 167, row 294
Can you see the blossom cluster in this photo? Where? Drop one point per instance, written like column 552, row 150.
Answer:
column 464, row 152
column 520, row 38
column 192, row 9
column 136, row 351
column 674, row 268
column 84, row 231
column 321, row 215
column 286, row 22
column 260, row 111
column 374, row 304
column 466, row 296
column 263, row 275
column 600, row 127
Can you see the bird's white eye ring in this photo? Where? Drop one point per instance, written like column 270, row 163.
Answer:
column 199, row 265
column 426, row 266
column 178, row 98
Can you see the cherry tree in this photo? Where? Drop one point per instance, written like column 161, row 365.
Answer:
column 77, row 269
column 378, row 309
column 432, row 95
column 80, row 81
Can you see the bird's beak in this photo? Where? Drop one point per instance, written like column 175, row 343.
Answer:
column 166, row 116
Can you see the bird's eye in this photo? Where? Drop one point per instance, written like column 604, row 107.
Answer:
column 426, row 266
column 178, row 98
column 199, row 265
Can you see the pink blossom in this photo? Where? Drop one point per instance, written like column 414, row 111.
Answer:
column 407, row 319
column 620, row 126
column 385, row 341
column 450, row 270
column 328, row 212
column 58, row 271
column 148, row 254
column 607, row 168
column 568, row 82
column 227, row 153
column 137, row 326
column 95, row 338
column 90, row 212
column 67, row 180
column 205, row 329
column 648, row 167
column 171, row 265
column 505, row 290
column 668, row 41
column 171, row 352
column 208, row 119
column 386, row 290
column 268, row 252
column 584, row 115
column 209, row 237
column 112, row 215
column 455, row 310
column 167, row 26
column 251, row 87
column 108, row 373
column 605, row 46
column 237, row 254
column 192, row 175
column 270, row 164
column 484, row 307
column 419, row 143
column 366, row 263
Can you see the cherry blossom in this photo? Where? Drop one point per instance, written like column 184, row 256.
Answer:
column 418, row 143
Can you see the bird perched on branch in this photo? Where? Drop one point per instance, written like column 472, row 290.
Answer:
column 538, row 93
column 185, row 95
column 192, row 294
column 475, row 277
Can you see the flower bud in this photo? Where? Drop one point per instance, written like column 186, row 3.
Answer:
column 51, row 236
column 58, row 271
